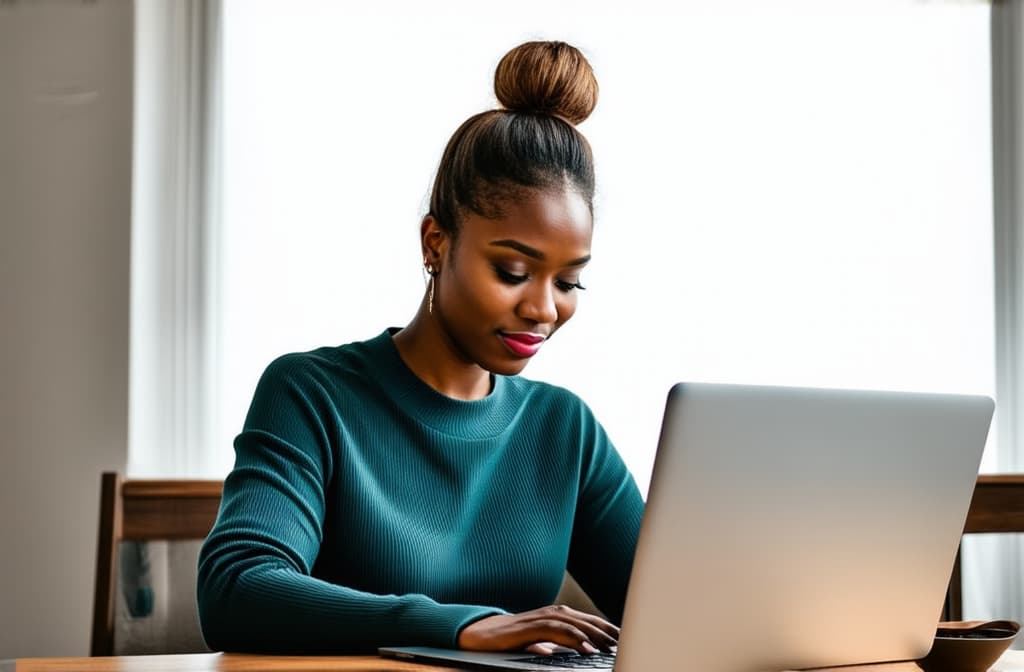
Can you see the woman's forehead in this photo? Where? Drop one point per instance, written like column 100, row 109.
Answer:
column 558, row 224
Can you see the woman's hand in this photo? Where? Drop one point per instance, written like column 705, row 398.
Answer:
column 535, row 629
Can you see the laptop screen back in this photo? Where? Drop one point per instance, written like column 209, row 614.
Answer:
column 789, row 528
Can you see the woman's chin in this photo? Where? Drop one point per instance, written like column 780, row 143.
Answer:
column 508, row 367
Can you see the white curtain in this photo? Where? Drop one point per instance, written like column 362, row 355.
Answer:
column 992, row 564
column 175, row 239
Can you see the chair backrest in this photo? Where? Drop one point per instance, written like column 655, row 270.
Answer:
column 143, row 511
column 997, row 506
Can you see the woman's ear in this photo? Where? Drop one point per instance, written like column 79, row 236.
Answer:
column 434, row 242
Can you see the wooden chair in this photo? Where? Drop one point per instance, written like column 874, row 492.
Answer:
column 997, row 506
column 143, row 510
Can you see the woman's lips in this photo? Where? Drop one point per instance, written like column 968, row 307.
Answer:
column 522, row 344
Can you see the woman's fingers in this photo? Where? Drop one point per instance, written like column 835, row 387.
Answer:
column 542, row 648
column 599, row 632
column 561, row 632
column 538, row 628
column 609, row 629
column 603, row 634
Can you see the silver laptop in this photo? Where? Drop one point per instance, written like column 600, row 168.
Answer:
column 791, row 528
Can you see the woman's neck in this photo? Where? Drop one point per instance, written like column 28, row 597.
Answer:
column 429, row 353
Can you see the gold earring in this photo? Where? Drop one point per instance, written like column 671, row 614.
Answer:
column 430, row 295
column 429, row 268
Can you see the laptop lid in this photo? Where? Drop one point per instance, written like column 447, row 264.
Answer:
column 789, row 528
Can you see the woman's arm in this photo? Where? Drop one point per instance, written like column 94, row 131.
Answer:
column 607, row 523
column 255, row 589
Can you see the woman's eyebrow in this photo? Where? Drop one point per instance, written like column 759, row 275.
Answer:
column 534, row 253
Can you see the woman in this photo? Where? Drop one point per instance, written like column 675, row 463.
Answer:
column 412, row 489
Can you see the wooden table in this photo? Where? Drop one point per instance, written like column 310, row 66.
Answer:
column 216, row 662
column 1012, row 661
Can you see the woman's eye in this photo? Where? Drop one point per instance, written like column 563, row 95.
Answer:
column 516, row 279
column 510, row 278
column 567, row 286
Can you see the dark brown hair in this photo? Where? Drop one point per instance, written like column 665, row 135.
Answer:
column 545, row 88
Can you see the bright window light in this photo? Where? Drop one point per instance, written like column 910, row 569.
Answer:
column 788, row 193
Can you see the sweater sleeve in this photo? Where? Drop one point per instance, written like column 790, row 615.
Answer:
column 255, row 590
column 607, row 522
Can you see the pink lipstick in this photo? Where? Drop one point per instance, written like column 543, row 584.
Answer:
column 522, row 344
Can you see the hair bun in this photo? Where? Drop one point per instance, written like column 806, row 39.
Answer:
column 547, row 77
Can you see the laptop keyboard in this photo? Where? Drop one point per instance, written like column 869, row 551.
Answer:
column 597, row 661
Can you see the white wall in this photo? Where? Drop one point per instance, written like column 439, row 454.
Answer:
column 65, row 207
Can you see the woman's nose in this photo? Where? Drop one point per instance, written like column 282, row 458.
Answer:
column 538, row 304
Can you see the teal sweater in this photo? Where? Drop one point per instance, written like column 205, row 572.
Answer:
column 366, row 509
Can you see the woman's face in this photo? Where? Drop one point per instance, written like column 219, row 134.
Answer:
column 507, row 284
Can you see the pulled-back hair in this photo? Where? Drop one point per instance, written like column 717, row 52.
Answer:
column 545, row 88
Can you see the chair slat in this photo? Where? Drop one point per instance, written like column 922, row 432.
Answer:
column 143, row 510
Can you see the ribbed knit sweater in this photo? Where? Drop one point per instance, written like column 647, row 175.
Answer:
column 366, row 509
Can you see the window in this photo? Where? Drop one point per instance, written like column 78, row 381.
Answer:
column 787, row 195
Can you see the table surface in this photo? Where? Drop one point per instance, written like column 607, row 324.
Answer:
column 233, row 662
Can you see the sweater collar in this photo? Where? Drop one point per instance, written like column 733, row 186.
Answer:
column 477, row 419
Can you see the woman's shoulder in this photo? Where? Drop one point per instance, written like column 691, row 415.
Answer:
column 331, row 362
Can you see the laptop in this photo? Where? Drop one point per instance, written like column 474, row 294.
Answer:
column 790, row 528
